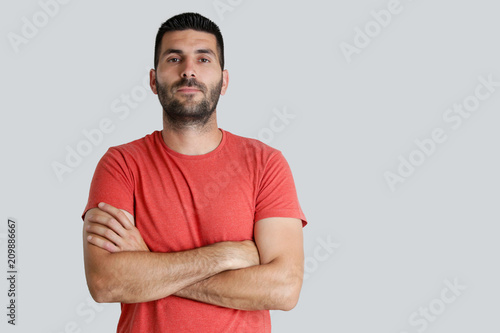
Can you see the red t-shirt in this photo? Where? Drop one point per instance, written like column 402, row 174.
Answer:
column 182, row 202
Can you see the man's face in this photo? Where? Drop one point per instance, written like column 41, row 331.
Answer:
column 188, row 78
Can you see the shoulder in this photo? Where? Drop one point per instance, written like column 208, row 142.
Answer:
column 130, row 156
column 251, row 147
column 135, row 148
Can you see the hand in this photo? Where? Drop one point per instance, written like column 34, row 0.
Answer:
column 110, row 229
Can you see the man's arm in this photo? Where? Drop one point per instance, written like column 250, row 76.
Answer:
column 273, row 285
column 115, row 273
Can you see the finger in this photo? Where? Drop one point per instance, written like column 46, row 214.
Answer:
column 105, row 218
column 109, row 222
column 117, row 214
column 102, row 243
column 104, row 232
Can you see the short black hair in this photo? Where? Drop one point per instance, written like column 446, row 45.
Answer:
column 187, row 21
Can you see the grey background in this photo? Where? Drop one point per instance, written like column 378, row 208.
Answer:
column 390, row 252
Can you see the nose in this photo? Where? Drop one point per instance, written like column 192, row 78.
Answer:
column 188, row 70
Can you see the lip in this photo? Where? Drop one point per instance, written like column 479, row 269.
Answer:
column 188, row 90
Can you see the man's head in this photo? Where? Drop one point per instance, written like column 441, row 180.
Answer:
column 193, row 21
column 188, row 75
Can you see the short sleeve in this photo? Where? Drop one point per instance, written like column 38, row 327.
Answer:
column 112, row 183
column 277, row 195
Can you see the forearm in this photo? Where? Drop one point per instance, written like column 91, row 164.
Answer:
column 120, row 268
column 272, row 286
column 132, row 277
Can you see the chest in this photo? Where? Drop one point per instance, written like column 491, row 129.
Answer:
column 179, row 207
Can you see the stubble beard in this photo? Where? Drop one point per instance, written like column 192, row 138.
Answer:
column 188, row 113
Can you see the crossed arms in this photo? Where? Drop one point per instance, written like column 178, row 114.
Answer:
column 262, row 275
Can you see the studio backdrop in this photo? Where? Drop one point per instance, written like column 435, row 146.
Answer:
column 387, row 112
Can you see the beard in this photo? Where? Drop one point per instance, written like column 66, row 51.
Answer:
column 189, row 112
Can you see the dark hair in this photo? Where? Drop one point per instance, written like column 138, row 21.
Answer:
column 187, row 21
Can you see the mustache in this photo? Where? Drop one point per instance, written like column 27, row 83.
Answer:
column 191, row 82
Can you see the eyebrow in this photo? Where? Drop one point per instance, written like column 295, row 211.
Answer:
column 205, row 51
column 199, row 51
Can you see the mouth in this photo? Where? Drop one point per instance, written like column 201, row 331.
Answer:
column 188, row 90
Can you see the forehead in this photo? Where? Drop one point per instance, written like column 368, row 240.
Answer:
column 187, row 40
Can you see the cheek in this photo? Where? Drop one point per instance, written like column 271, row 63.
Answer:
column 163, row 84
column 210, row 73
column 165, row 77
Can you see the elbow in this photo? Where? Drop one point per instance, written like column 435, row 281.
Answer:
column 287, row 291
column 103, row 284
column 99, row 295
column 290, row 296
column 289, row 301
column 101, row 290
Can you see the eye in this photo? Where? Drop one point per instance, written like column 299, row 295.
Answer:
column 204, row 60
column 173, row 60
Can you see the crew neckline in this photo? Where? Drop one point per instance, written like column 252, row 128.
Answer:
column 169, row 150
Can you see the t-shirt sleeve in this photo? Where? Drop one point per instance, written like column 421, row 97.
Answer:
column 112, row 183
column 277, row 195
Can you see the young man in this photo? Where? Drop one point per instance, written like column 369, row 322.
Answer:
column 192, row 228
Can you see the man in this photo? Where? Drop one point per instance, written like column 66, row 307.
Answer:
column 192, row 228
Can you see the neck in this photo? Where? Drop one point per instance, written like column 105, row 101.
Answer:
column 192, row 139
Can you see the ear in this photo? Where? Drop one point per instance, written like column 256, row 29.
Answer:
column 225, row 81
column 152, row 81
